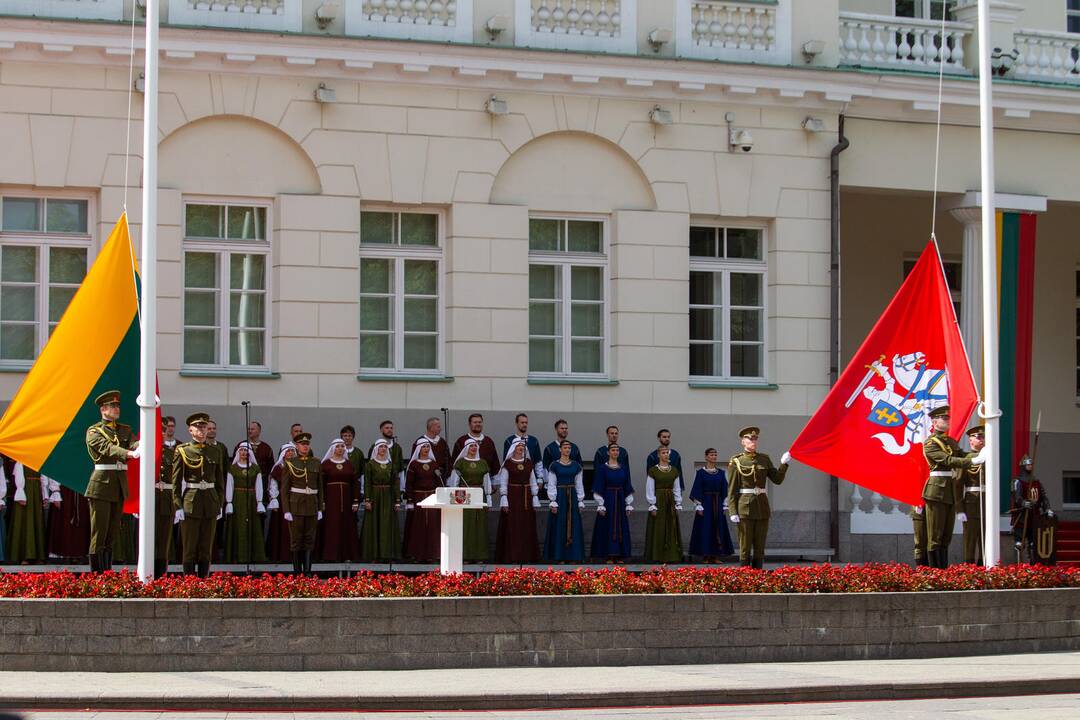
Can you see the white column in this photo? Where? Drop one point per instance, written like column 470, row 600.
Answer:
column 971, row 288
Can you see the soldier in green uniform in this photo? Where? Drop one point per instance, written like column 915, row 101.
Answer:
column 942, row 491
column 748, row 474
column 302, row 501
column 918, row 525
column 163, row 503
column 198, row 492
column 110, row 445
column 974, row 485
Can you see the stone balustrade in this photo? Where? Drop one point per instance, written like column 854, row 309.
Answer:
column 65, row 9
column 902, row 43
column 274, row 15
column 443, row 20
column 1047, row 56
column 596, row 25
column 738, row 31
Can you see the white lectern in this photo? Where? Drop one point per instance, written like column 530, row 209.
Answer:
column 452, row 502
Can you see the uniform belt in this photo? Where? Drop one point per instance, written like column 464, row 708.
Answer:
column 752, row 491
column 162, row 486
column 305, row 491
column 941, row 473
column 973, row 489
column 110, row 466
column 200, row 485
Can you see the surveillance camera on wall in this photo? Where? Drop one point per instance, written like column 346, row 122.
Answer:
column 741, row 139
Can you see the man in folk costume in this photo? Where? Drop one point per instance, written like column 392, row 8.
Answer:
column 663, row 437
column 440, row 450
column 552, row 452
column 379, row 539
column 943, row 491
column 471, row 470
column 338, row 541
column 261, row 451
column 486, row 446
column 164, row 514
column 277, row 531
column 600, row 457
column 33, row 492
column 422, row 526
column 516, row 541
column 354, row 455
column 396, row 454
column 302, row 502
column 971, row 503
column 110, row 444
column 749, row 473
column 532, row 447
column 244, row 509
column 198, row 489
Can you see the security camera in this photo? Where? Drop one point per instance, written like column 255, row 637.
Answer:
column 741, row 139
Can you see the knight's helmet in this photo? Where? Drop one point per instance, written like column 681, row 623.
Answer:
column 1026, row 463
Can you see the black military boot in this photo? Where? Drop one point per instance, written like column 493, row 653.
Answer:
column 746, row 563
column 307, row 562
column 758, row 564
column 106, row 562
column 203, row 568
column 95, row 563
column 189, row 568
column 921, row 561
column 297, row 564
column 160, row 567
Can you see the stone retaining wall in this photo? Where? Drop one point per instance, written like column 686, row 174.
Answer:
column 355, row 634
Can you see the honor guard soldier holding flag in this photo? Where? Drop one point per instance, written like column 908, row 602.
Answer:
column 943, row 491
column 748, row 474
column 198, row 489
column 110, row 444
column 302, row 501
column 974, row 486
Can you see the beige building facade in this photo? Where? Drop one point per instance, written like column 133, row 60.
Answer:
column 605, row 211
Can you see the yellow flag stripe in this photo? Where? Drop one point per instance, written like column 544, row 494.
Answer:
column 79, row 350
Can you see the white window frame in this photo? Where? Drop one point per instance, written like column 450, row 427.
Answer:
column 399, row 254
column 43, row 241
column 566, row 261
column 724, row 267
column 225, row 248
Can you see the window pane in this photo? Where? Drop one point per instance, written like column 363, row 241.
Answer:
column 743, row 244
column 586, row 356
column 200, row 270
column 703, row 242
column 703, row 325
column 420, row 315
column 376, row 313
column 203, row 221
column 746, row 325
column 745, row 289
column 246, row 347
column 419, row 229
column 544, row 355
column 544, row 235
column 17, row 342
column 247, row 272
column 746, row 361
column 17, row 303
column 22, row 214
column 377, row 228
column 544, row 282
column 586, row 283
column 247, row 223
column 702, row 360
column 586, row 320
column 200, row 308
column 544, row 319
column 953, row 273
column 65, row 216
column 59, row 298
column 702, row 289
column 420, row 353
column 586, row 236
column 67, row 265
column 421, row 277
column 376, row 275
column 18, row 264
column 200, row 347
column 375, row 351
column 246, row 310
column 909, row 8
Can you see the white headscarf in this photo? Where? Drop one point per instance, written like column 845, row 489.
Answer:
column 375, row 451
column 281, row 455
column 465, row 450
column 416, row 452
column 513, row 445
column 251, row 455
column 330, row 450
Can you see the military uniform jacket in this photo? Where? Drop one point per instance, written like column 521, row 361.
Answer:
column 946, row 460
column 972, row 477
column 301, row 486
column 751, row 471
column 194, row 466
column 163, row 504
column 108, row 444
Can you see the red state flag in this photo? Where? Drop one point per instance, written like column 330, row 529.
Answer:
column 131, row 504
column 872, row 424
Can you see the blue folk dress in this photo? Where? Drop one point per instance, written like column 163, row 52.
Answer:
column 613, row 490
column 710, row 536
column 564, row 541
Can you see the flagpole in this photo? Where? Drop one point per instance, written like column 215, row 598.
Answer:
column 991, row 413
column 148, row 337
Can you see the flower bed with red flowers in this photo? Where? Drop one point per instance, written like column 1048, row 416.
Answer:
column 521, row 582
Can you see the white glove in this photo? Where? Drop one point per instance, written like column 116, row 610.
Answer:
column 220, row 513
column 581, row 505
column 1050, row 513
column 288, row 517
column 785, row 458
column 179, row 516
column 137, row 453
column 273, row 504
column 735, row 519
column 135, row 515
column 629, row 509
column 980, row 458
column 962, row 517
column 536, row 502
column 678, row 507
column 228, row 509
column 318, row 515
column 918, row 509
column 260, row 508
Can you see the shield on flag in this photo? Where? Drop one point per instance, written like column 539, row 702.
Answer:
column 886, row 415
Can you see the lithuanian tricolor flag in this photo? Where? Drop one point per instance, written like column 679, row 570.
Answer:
column 94, row 348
